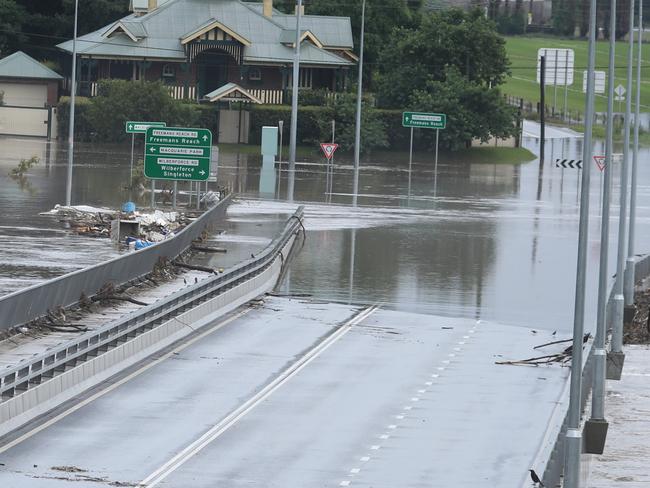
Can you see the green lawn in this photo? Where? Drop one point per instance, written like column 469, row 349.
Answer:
column 522, row 52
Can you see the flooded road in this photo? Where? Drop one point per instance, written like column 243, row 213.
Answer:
column 493, row 241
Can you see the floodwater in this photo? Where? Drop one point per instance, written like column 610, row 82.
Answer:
column 491, row 241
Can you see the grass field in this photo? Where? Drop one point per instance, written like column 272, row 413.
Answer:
column 522, row 52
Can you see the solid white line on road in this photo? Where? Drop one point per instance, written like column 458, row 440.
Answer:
column 235, row 416
column 119, row 383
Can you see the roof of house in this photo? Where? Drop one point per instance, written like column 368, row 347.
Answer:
column 231, row 92
column 158, row 34
column 20, row 65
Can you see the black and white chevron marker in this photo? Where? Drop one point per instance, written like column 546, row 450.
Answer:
column 568, row 163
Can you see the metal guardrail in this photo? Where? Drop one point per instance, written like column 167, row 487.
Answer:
column 31, row 303
column 92, row 344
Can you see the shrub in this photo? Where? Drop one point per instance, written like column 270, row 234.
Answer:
column 118, row 101
column 83, row 129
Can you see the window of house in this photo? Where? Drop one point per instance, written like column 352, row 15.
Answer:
column 168, row 71
column 255, row 74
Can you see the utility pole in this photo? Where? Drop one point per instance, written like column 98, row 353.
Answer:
column 357, row 137
column 73, row 90
column 294, row 105
column 617, row 357
column 596, row 427
column 629, row 268
column 573, row 446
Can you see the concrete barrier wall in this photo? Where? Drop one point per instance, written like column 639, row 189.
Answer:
column 26, row 305
column 40, row 399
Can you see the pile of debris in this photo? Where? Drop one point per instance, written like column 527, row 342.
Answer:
column 561, row 357
column 101, row 222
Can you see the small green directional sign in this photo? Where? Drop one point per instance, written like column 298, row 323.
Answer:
column 422, row 120
column 176, row 153
column 133, row 127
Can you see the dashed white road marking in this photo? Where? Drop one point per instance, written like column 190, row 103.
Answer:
column 236, row 415
column 355, row 470
column 399, row 417
column 428, row 383
column 345, row 483
column 365, row 459
column 415, row 399
column 422, row 391
column 375, row 447
column 384, row 436
column 436, row 375
column 392, row 426
column 408, row 407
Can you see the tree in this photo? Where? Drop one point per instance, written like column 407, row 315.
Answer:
column 413, row 57
column 44, row 24
column 473, row 111
column 12, row 17
column 381, row 18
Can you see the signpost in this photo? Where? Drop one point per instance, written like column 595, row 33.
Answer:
column 558, row 70
column 133, row 128
column 599, row 79
column 329, row 149
column 600, row 162
column 177, row 153
column 423, row 120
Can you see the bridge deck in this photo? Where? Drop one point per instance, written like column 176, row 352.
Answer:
column 293, row 394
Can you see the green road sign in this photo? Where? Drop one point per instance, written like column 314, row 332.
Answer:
column 177, row 153
column 420, row 120
column 132, row 127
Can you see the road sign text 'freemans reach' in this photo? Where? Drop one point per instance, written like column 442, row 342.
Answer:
column 421, row 120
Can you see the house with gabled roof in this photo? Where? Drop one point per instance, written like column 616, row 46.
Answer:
column 198, row 46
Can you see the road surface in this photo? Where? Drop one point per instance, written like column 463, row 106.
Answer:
column 297, row 393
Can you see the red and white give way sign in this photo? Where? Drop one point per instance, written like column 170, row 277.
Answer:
column 600, row 162
column 328, row 149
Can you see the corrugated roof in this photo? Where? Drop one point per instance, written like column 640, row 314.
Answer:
column 331, row 31
column 166, row 25
column 20, row 65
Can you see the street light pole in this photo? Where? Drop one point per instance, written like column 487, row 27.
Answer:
column 629, row 268
column 294, row 105
column 617, row 356
column 573, row 446
column 73, row 89
column 357, row 134
column 596, row 427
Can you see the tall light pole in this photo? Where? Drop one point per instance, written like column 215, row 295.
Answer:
column 357, row 132
column 573, row 446
column 596, row 427
column 294, row 105
column 73, row 89
column 629, row 268
column 616, row 355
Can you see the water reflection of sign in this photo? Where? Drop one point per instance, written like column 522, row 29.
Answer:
column 599, row 82
column 174, row 153
column 328, row 149
column 600, row 162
